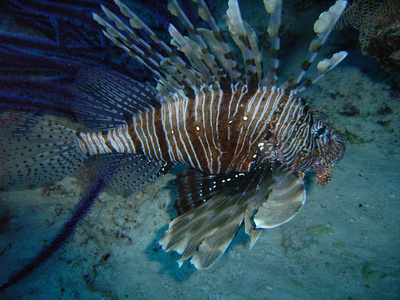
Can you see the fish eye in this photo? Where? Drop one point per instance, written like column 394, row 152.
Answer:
column 320, row 130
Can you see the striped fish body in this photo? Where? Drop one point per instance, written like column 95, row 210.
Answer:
column 215, row 131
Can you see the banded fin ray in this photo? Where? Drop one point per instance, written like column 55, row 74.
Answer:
column 170, row 70
column 246, row 39
column 273, row 7
column 222, row 50
column 194, row 47
column 322, row 27
column 210, row 44
column 204, row 48
column 210, row 56
column 215, row 206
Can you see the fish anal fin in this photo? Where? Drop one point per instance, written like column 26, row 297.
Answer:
column 130, row 171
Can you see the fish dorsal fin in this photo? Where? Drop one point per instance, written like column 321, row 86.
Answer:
column 223, row 53
column 214, row 207
column 222, row 50
column 246, row 39
column 210, row 57
column 195, row 48
column 108, row 99
column 273, row 7
column 171, row 71
column 322, row 27
column 203, row 63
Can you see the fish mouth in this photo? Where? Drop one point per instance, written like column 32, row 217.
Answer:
column 322, row 164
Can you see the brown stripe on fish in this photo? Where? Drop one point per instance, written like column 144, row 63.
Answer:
column 114, row 140
column 120, row 140
column 108, row 142
column 92, row 143
column 223, row 123
column 294, row 124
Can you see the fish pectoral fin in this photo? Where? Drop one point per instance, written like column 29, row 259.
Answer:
column 205, row 232
column 276, row 204
column 212, row 247
column 213, row 208
column 287, row 196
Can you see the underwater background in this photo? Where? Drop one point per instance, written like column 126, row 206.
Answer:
column 344, row 243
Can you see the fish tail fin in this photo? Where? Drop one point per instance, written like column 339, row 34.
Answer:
column 35, row 150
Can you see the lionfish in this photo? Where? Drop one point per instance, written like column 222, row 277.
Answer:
column 246, row 140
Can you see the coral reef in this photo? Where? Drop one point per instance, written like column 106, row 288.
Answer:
column 377, row 22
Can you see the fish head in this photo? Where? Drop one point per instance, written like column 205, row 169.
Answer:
column 310, row 146
column 327, row 146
